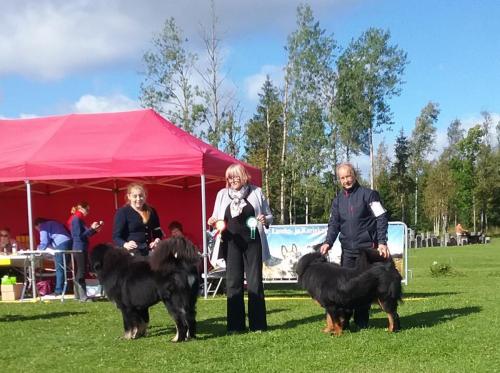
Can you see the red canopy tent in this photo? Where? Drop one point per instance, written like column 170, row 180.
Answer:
column 49, row 164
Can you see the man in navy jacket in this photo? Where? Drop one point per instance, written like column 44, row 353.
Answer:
column 360, row 221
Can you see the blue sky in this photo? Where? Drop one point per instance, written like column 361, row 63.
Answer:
column 61, row 56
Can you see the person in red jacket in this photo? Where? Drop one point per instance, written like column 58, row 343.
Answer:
column 80, row 234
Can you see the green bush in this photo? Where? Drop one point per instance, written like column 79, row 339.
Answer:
column 440, row 269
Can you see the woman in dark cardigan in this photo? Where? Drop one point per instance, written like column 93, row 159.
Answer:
column 137, row 225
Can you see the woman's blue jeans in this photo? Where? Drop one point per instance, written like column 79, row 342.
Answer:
column 59, row 264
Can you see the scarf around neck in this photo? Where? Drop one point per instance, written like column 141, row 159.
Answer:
column 79, row 215
column 238, row 200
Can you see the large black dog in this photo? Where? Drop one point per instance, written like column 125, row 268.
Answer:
column 340, row 290
column 136, row 283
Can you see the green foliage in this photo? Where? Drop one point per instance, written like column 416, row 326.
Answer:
column 402, row 181
column 422, row 144
column 464, row 168
column 369, row 73
column 263, row 141
column 328, row 110
column 383, row 182
column 310, row 74
column 440, row 269
column 167, row 86
column 423, row 136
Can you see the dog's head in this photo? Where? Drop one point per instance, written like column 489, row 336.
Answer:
column 317, row 246
column 97, row 256
column 307, row 260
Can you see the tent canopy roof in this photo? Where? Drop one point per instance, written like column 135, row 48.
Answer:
column 107, row 146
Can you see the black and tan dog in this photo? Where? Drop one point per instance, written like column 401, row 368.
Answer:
column 136, row 283
column 340, row 290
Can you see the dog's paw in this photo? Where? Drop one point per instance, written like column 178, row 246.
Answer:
column 176, row 338
column 134, row 332
column 127, row 335
column 327, row 330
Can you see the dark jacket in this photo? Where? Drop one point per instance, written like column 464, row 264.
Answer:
column 80, row 233
column 128, row 226
column 353, row 220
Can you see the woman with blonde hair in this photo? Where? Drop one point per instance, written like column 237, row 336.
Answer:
column 80, row 234
column 245, row 211
column 137, row 225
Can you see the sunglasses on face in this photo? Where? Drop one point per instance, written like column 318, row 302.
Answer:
column 4, row 235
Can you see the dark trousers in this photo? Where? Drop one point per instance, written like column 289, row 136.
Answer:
column 245, row 258
column 81, row 262
column 361, row 314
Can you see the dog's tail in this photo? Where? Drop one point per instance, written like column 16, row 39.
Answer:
column 306, row 260
column 174, row 250
column 388, row 278
column 367, row 257
column 395, row 289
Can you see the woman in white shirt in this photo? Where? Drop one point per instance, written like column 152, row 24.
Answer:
column 245, row 211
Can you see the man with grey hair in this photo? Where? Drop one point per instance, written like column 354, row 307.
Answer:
column 359, row 219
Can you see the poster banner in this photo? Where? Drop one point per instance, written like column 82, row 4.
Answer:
column 287, row 243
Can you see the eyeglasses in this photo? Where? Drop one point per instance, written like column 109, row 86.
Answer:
column 4, row 235
column 231, row 178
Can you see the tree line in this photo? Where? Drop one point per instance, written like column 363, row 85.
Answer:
column 332, row 101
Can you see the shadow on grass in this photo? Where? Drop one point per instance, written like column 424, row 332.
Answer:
column 45, row 316
column 287, row 294
column 296, row 322
column 427, row 295
column 430, row 318
column 209, row 328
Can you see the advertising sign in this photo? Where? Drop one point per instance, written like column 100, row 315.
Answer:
column 288, row 243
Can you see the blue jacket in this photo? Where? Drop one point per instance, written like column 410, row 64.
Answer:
column 52, row 234
column 80, row 234
column 352, row 218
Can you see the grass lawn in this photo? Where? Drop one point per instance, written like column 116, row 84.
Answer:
column 450, row 324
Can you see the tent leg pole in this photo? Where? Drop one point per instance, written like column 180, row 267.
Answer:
column 32, row 238
column 115, row 195
column 204, row 235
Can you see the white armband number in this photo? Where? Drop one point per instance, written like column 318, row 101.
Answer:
column 377, row 208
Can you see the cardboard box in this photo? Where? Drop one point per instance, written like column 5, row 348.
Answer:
column 11, row 292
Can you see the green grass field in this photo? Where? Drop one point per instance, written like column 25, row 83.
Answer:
column 450, row 324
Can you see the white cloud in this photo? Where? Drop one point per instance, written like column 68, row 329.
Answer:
column 473, row 120
column 21, row 116
column 27, row 116
column 253, row 83
column 467, row 123
column 49, row 39
column 101, row 104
